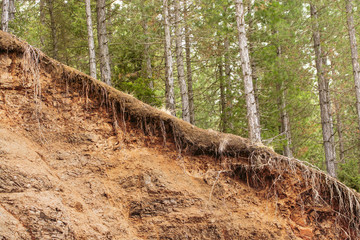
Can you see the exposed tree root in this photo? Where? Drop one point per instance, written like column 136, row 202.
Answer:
column 262, row 168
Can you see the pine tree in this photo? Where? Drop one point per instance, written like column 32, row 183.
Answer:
column 180, row 64
column 324, row 99
column 92, row 58
column 252, row 116
column 5, row 16
column 169, row 80
column 354, row 55
column 103, row 42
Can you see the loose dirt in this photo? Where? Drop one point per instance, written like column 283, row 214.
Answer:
column 67, row 171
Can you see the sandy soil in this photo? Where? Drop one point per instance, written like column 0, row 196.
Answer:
column 67, row 173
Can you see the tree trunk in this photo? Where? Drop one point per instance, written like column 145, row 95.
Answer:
column 12, row 10
column 103, row 42
column 228, row 83
column 286, row 127
column 53, row 29
column 170, row 97
column 147, row 54
column 253, row 65
column 180, row 65
column 223, row 120
column 285, row 122
column 5, row 16
column 354, row 55
column 253, row 120
column 92, row 58
column 323, row 85
column 42, row 23
column 339, row 132
column 188, row 66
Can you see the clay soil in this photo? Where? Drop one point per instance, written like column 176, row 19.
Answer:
column 66, row 172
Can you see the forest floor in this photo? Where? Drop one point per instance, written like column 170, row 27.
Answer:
column 65, row 173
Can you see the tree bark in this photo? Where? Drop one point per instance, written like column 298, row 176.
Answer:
column 180, row 65
column 92, row 58
column 12, row 10
column 340, row 133
column 188, row 66
column 229, row 100
column 42, row 23
column 53, row 29
column 354, row 55
column 285, row 122
column 252, row 116
column 323, row 85
column 223, row 118
column 103, row 42
column 147, row 54
column 170, row 97
column 252, row 63
column 5, row 16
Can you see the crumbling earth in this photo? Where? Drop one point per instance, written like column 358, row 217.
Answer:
column 69, row 169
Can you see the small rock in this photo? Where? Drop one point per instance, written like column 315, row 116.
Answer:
column 92, row 137
column 306, row 233
column 250, row 215
column 166, row 202
column 79, row 207
column 43, row 216
column 32, row 212
column 147, row 180
column 62, row 155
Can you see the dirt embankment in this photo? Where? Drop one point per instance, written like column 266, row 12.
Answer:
column 79, row 160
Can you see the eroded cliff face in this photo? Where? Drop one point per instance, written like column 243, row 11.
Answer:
column 68, row 171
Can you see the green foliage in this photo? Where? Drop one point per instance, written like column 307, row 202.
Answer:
column 349, row 174
column 139, row 88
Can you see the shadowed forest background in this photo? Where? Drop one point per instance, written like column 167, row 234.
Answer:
column 287, row 40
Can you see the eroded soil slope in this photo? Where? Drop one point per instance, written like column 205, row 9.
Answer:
column 66, row 172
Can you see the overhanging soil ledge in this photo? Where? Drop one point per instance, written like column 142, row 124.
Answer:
column 145, row 174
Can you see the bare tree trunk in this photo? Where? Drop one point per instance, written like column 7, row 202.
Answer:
column 354, row 55
column 53, row 29
column 12, row 10
column 148, row 69
column 188, row 66
column 339, row 132
column 103, row 42
column 92, row 58
column 253, row 64
column 253, row 119
column 223, row 119
column 285, row 122
column 229, row 100
column 170, row 97
column 286, row 126
column 147, row 54
column 5, row 16
column 323, row 85
column 180, row 65
column 42, row 23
